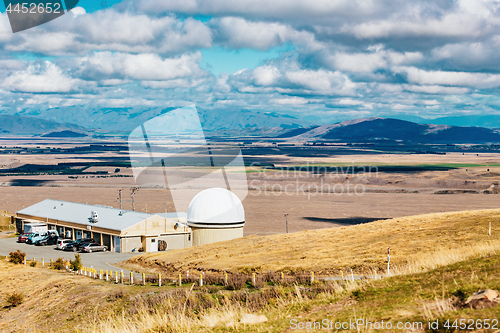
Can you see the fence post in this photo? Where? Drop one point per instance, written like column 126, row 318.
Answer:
column 43, row 262
column 225, row 279
column 352, row 275
column 282, row 276
column 201, row 280
column 312, row 277
column 24, row 261
column 342, row 274
column 116, row 276
column 107, row 277
column 85, row 271
column 159, row 279
column 51, row 262
column 143, row 279
column 131, row 277
column 187, row 275
column 34, row 259
column 253, row 279
column 388, row 260
column 100, row 274
column 489, row 230
column 121, row 276
column 180, row 280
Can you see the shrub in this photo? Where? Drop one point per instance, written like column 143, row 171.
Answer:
column 15, row 299
column 236, row 282
column 58, row 264
column 259, row 282
column 17, row 257
column 152, row 279
column 33, row 264
column 76, row 264
column 213, row 279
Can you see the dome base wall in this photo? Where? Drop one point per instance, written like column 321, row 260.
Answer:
column 209, row 235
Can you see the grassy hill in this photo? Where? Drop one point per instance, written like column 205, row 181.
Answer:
column 417, row 243
column 60, row 302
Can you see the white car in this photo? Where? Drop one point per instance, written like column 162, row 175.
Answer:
column 62, row 243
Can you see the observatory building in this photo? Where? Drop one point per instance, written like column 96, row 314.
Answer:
column 120, row 230
column 215, row 215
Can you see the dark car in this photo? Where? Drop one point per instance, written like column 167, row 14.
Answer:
column 23, row 237
column 47, row 240
column 75, row 246
column 93, row 247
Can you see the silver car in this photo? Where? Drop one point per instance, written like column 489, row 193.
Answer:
column 93, row 247
column 61, row 243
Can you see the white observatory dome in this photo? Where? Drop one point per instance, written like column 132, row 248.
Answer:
column 216, row 208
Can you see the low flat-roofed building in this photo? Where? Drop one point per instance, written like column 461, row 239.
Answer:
column 119, row 229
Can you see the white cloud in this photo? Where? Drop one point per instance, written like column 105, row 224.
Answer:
column 265, row 75
column 262, row 8
column 239, row 33
column 290, row 101
column 322, row 81
column 359, row 62
column 449, row 78
column 113, row 31
column 40, row 79
column 435, row 89
column 148, row 67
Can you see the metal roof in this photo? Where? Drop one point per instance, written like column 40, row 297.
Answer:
column 108, row 217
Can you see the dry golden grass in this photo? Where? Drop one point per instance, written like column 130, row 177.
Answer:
column 53, row 301
column 417, row 242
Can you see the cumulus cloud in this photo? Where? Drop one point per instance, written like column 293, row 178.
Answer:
column 239, row 33
column 347, row 54
column 148, row 66
column 113, row 31
column 289, row 78
column 46, row 78
column 294, row 100
column 449, row 78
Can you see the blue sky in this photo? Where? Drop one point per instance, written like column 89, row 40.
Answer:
column 320, row 60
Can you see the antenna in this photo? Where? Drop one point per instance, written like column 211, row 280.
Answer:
column 120, row 197
column 133, row 191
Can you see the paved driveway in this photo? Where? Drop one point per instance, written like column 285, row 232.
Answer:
column 98, row 260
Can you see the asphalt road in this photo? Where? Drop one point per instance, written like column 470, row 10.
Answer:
column 97, row 260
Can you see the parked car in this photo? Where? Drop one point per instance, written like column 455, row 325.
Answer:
column 33, row 237
column 47, row 240
column 93, row 247
column 36, row 236
column 61, row 243
column 75, row 246
column 23, row 237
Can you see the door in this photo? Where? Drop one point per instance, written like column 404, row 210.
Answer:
column 116, row 243
column 78, row 234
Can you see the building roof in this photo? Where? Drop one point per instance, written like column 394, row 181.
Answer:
column 108, row 217
column 216, row 208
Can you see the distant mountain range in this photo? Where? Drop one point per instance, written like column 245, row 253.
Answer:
column 16, row 125
column 387, row 129
column 76, row 121
column 488, row 121
column 214, row 122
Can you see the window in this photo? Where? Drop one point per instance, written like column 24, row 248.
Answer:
column 153, row 240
